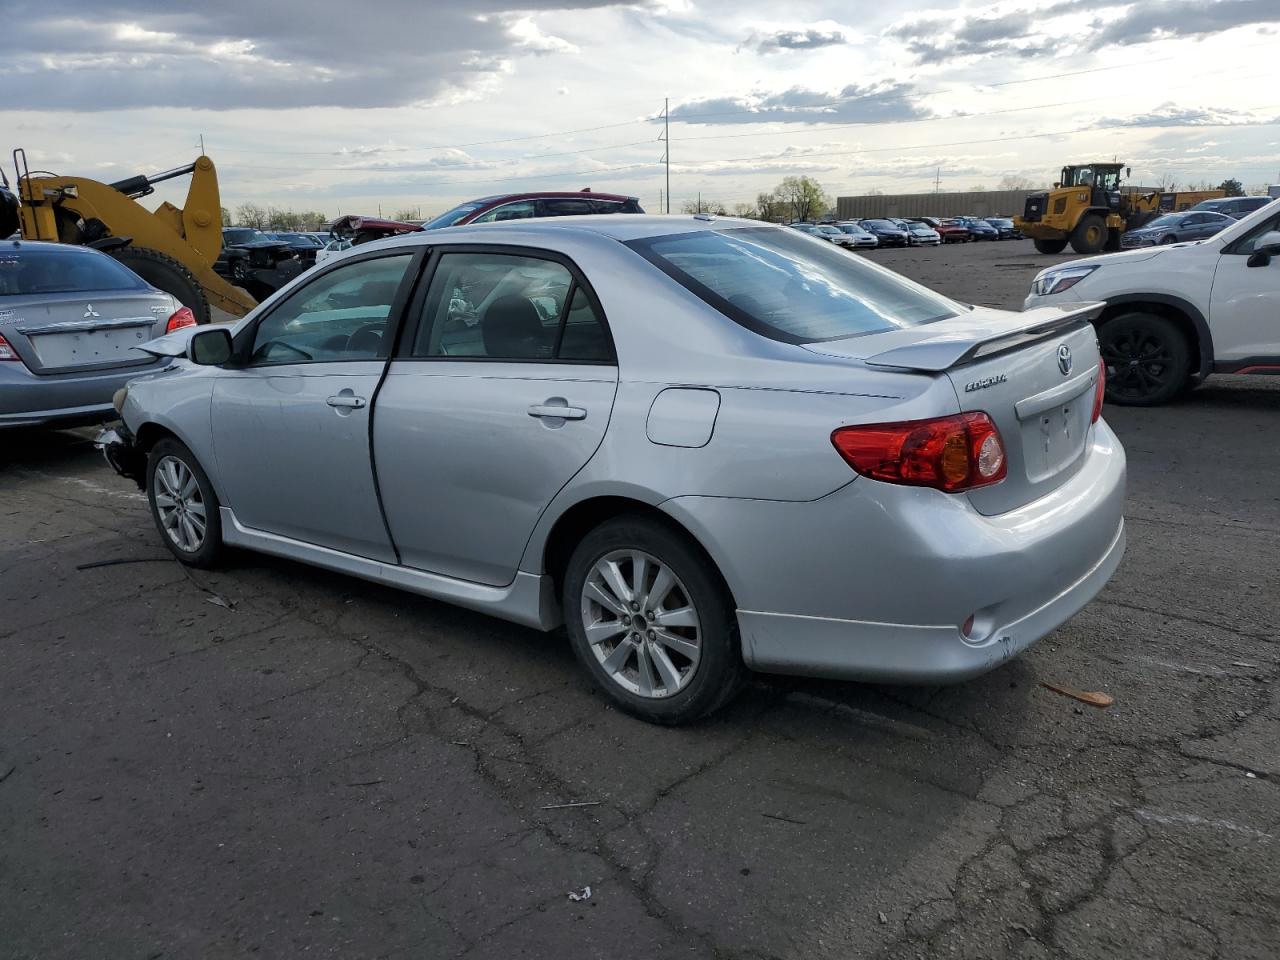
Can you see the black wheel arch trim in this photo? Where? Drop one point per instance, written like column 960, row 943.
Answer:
column 1203, row 334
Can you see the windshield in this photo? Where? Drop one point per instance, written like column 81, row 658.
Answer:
column 882, row 224
column 1168, row 220
column 450, row 217
column 791, row 289
column 851, row 228
column 25, row 271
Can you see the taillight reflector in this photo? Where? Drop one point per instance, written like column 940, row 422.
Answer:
column 954, row 453
column 182, row 317
column 7, row 352
column 1099, row 391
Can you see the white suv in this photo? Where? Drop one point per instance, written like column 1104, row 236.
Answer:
column 1174, row 314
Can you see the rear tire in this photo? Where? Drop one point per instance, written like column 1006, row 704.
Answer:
column 1050, row 246
column 1090, row 234
column 183, row 504
column 651, row 621
column 167, row 274
column 1147, row 357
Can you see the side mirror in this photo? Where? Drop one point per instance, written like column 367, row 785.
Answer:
column 1268, row 246
column 210, row 348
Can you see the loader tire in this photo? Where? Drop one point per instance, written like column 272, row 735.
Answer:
column 1090, row 234
column 1050, row 246
column 167, row 274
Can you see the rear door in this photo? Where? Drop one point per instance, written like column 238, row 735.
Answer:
column 291, row 424
column 501, row 392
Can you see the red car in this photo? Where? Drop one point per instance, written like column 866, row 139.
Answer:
column 948, row 230
column 520, row 206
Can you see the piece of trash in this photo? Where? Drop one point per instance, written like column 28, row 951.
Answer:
column 577, row 896
column 1023, row 929
column 775, row 816
column 881, row 917
column 575, row 803
column 221, row 602
column 119, row 560
column 1242, row 663
column 1095, row 698
column 365, row 783
column 460, row 743
column 1248, row 773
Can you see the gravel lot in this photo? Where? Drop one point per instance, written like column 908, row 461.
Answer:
column 272, row 760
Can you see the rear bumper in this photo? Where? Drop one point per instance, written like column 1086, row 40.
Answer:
column 67, row 399
column 874, row 581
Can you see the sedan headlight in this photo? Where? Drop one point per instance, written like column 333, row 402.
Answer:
column 1056, row 281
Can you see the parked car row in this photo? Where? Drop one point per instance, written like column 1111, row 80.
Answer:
column 916, row 232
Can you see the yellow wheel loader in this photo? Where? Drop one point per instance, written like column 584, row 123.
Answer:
column 173, row 249
column 1087, row 209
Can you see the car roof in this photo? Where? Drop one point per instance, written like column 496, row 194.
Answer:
column 553, row 195
column 631, row 227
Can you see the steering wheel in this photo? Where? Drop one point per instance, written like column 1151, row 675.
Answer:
column 265, row 350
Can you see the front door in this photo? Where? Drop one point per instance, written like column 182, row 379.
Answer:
column 291, row 426
column 1244, row 308
column 502, row 393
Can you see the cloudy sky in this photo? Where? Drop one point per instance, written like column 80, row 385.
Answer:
column 342, row 106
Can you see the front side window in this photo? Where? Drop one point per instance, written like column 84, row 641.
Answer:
column 1246, row 244
column 788, row 289
column 520, row 210
column 502, row 306
column 343, row 315
column 26, row 270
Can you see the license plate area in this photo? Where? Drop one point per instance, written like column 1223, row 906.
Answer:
column 1052, row 439
column 82, row 348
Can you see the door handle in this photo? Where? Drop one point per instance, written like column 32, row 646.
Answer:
column 557, row 411
column 347, row 401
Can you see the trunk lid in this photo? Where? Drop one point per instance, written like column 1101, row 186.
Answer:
column 61, row 333
column 1033, row 373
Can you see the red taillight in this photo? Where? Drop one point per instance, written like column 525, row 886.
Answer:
column 1099, row 391
column 182, row 317
column 953, row 453
column 7, row 352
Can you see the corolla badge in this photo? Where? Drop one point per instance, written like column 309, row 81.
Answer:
column 90, row 312
column 1064, row 359
column 985, row 382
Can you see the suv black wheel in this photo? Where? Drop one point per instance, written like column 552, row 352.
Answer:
column 651, row 621
column 1050, row 246
column 1147, row 357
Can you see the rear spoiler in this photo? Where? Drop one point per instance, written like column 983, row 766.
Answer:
column 964, row 345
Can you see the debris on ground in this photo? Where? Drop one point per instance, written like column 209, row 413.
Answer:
column 577, row 896
column 575, row 803
column 1095, row 698
column 881, row 917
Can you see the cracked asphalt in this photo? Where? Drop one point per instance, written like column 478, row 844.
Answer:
column 271, row 760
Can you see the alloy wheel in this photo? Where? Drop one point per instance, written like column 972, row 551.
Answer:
column 180, row 504
column 1138, row 364
column 641, row 623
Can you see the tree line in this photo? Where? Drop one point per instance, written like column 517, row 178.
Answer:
column 273, row 218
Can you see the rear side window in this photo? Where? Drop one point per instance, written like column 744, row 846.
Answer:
column 565, row 207
column 502, row 306
column 787, row 287
column 27, row 271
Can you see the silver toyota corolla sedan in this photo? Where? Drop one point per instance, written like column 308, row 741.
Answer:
column 71, row 320
column 704, row 446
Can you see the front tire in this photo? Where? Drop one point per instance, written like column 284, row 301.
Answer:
column 1147, row 357
column 651, row 621
column 183, row 504
column 1050, row 246
column 1167, row 240
column 1090, row 234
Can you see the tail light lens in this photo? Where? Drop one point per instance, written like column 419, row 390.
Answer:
column 182, row 317
column 1100, row 391
column 952, row 454
column 7, row 352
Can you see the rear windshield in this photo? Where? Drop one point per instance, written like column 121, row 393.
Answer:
column 789, row 287
column 25, row 271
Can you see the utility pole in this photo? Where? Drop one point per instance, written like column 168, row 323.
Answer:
column 666, row 139
column 937, row 181
column 699, row 201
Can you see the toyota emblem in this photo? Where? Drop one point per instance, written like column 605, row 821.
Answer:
column 1064, row 359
